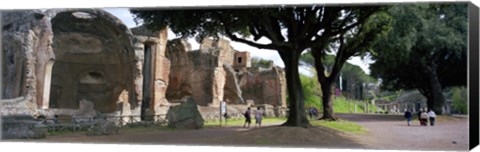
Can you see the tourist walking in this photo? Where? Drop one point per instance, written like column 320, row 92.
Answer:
column 258, row 117
column 424, row 118
column 432, row 116
column 408, row 115
column 315, row 112
column 248, row 119
column 310, row 112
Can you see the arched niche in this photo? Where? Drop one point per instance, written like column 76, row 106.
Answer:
column 94, row 59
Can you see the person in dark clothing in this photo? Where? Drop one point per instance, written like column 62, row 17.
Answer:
column 315, row 112
column 248, row 118
column 310, row 112
column 408, row 115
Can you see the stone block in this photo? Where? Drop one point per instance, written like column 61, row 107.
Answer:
column 185, row 115
column 22, row 127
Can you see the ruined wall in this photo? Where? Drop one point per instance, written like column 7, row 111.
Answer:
column 220, row 48
column 57, row 57
column 25, row 46
column 152, row 87
column 264, row 86
column 201, row 73
column 94, row 59
column 232, row 93
column 208, row 76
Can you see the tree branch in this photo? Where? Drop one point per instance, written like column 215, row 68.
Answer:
column 308, row 20
column 339, row 60
column 233, row 37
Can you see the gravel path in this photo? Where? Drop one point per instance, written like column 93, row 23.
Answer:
column 392, row 132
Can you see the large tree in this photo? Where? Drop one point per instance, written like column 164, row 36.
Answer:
column 356, row 42
column 290, row 30
column 425, row 50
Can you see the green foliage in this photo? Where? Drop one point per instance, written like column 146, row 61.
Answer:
column 355, row 74
column 340, row 104
column 459, row 97
column 261, row 63
column 424, row 37
column 342, row 125
column 425, row 50
column 311, row 90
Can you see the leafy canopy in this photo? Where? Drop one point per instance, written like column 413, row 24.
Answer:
column 283, row 26
column 423, row 34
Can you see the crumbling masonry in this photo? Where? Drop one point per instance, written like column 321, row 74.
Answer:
column 54, row 59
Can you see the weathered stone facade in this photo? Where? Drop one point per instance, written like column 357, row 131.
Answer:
column 152, row 69
column 217, row 72
column 204, row 74
column 54, row 59
column 264, row 86
column 63, row 56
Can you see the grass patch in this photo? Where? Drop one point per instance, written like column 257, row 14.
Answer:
column 240, row 122
column 262, row 141
column 342, row 105
column 341, row 125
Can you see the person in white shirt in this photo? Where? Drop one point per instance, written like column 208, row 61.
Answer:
column 258, row 117
column 432, row 116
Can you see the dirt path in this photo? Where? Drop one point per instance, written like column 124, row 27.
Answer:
column 392, row 132
column 385, row 132
column 268, row 136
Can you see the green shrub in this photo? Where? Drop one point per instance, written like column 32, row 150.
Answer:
column 459, row 97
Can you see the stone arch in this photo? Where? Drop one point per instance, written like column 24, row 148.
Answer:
column 94, row 58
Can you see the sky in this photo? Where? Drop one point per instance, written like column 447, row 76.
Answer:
column 127, row 18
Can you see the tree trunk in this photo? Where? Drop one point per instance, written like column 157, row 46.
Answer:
column 327, row 90
column 296, row 114
column 433, row 92
column 438, row 100
column 327, row 83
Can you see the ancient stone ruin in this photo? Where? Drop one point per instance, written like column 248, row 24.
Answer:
column 54, row 59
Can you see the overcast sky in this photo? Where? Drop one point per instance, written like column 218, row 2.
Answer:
column 127, row 18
